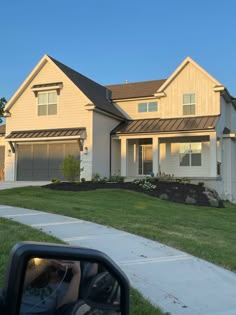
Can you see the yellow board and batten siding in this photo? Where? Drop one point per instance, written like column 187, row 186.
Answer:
column 70, row 107
column 189, row 80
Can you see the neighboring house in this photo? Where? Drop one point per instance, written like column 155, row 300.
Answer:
column 184, row 125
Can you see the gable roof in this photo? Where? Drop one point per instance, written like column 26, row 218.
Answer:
column 94, row 91
column 135, row 90
column 2, row 130
column 180, row 68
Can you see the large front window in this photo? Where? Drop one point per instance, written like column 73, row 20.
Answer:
column 47, row 103
column 190, row 154
column 189, row 104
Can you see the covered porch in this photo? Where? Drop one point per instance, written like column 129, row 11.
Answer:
column 183, row 153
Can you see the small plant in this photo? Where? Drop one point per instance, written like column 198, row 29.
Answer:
column 55, row 181
column 83, row 180
column 96, row 177
column 70, row 168
column 103, row 180
column 166, row 177
column 201, row 184
column 145, row 183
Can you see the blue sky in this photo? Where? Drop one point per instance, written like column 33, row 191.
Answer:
column 111, row 41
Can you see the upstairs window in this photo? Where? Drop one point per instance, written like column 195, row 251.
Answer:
column 47, row 103
column 189, row 104
column 147, row 107
column 190, row 154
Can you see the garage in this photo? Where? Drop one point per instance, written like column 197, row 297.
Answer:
column 41, row 161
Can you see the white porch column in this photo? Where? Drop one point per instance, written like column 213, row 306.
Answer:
column 155, row 156
column 213, row 155
column 124, row 150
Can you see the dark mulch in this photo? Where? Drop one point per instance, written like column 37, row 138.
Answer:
column 174, row 191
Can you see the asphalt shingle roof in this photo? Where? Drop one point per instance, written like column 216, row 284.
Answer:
column 94, row 91
column 133, row 90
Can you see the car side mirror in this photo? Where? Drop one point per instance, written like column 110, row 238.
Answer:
column 63, row 280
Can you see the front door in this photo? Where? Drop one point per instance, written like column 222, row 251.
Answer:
column 145, row 159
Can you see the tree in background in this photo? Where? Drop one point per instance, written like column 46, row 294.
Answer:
column 2, row 104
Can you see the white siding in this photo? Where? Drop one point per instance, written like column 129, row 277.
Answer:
column 102, row 127
column 115, row 157
column 170, row 161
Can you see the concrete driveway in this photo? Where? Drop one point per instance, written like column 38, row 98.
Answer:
column 9, row 184
column 173, row 280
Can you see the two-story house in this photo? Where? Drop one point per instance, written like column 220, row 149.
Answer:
column 184, row 125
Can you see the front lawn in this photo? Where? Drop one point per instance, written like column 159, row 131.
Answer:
column 12, row 232
column 208, row 233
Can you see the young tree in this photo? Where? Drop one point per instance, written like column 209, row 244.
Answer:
column 2, row 104
column 70, row 168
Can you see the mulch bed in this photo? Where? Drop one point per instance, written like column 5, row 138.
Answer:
column 176, row 192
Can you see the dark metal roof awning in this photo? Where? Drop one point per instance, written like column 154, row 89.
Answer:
column 27, row 135
column 159, row 125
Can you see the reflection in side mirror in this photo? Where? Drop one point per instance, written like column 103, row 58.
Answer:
column 53, row 279
column 68, row 287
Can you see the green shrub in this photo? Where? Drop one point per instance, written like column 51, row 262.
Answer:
column 96, row 177
column 70, row 168
column 83, row 180
column 55, row 181
column 201, row 184
column 103, row 180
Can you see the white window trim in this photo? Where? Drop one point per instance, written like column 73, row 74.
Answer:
column 147, row 104
column 189, row 104
column 57, row 103
column 190, row 155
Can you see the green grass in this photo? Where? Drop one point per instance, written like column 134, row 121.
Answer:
column 12, row 232
column 208, row 233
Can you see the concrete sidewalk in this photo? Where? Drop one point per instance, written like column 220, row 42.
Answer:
column 173, row 280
